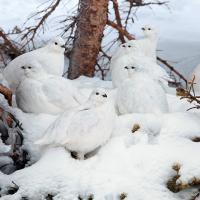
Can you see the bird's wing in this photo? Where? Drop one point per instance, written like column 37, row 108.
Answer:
column 72, row 123
column 83, row 122
column 56, row 132
column 59, row 91
column 158, row 72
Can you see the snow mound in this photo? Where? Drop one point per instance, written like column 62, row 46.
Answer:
column 136, row 162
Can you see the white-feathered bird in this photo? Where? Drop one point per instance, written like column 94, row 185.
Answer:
column 141, row 47
column 196, row 74
column 40, row 92
column 118, row 73
column 140, row 93
column 84, row 128
column 51, row 58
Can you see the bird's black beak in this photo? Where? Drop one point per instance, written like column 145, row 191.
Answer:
column 143, row 28
column 63, row 46
column 104, row 95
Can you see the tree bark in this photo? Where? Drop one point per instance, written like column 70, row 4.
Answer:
column 92, row 19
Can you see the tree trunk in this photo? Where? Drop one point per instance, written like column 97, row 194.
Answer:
column 93, row 15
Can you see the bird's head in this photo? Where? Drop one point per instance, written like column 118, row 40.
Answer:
column 57, row 45
column 149, row 31
column 32, row 69
column 127, row 46
column 131, row 70
column 99, row 96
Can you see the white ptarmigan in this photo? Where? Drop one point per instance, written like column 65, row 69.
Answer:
column 140, row 93
column 140, row 52
column 40, row 92
column 196, row 75
column 50, row 57
column 141, row 47
column 84, row 128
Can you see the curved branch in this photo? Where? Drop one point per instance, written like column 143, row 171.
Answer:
column 120, row 29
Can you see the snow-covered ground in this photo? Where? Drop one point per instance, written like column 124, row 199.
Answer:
column 138, row 164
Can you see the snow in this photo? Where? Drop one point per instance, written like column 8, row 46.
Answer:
column 138, row 164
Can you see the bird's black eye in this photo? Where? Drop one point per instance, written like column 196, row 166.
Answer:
column 23, row 67
column 125, row 67
column 104, row 95
column 132, row 67
column 149, row 29
column 123, row 45
column 129, row 46
column 29, row 67
column 56, row 43
column 97, row 93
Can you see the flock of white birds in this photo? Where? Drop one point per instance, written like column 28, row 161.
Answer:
column 85, row 124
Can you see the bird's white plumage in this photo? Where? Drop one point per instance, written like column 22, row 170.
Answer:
column 40, row 92
column 84, row 128
column 141, row 47
column 196, row 74
column 140, row 93
column 155, row 71
column 51, row 58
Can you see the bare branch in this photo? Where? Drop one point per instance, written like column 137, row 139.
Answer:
column 172, row 69
column 8, row 47
column 31, row 31
column 138, row 3
column 190, row 95
column 120, row 29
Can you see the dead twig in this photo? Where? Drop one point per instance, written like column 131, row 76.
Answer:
column 190, row 95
